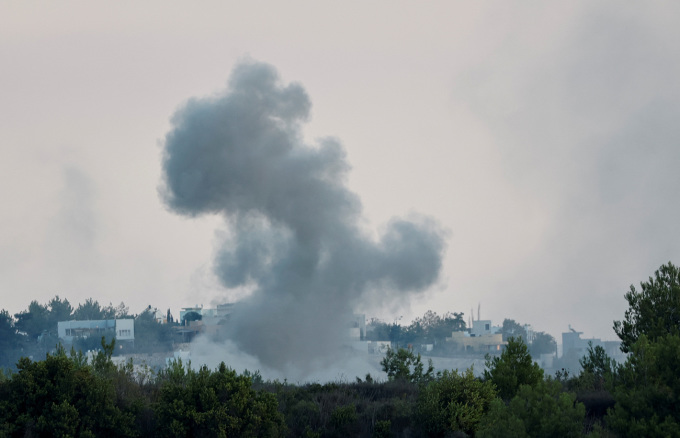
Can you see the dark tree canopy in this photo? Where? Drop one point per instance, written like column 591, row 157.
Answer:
column 654, row 310
column 513, row 329
column 543, row 343
column 514, row 367
column 90, row 310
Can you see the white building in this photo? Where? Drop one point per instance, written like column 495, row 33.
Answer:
column 121, row 329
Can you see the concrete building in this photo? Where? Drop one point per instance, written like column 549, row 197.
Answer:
column 482, row 338
column 122, row 329
column 574, row 348
column 484, row 343
column 357, row 327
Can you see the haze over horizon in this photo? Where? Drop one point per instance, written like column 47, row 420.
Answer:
column 542, row 138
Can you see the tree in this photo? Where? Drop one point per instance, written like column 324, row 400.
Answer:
column 33, row 321
column 377, row 330
column 543, row 343
column 222, row 403
column 647, row 385
column 514, row 367
column 60, row 310
column 597, row 362
column 59, row 397
column 9, row 340
column 512, row 329
column 453, row 402
column 118, row 312
column 647, row 390
column 90, row 310
column 403, row 365
column 653, row 311
column 151, row 335
column 540, row 410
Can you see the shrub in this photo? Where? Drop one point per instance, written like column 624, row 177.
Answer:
column 454, row 402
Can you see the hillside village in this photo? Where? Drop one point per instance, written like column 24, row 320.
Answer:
column 154, row 338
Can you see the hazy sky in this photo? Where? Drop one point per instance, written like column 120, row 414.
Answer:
column 543, row 137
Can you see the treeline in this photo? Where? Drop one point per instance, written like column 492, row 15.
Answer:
column 433, row 329
column 33, row 332
column 64, row 395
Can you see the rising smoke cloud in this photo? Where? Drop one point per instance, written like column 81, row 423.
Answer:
column 295, row 236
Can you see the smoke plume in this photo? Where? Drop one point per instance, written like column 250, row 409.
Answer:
column 295, row 237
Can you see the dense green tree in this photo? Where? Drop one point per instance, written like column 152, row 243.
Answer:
column 59, row 310
column 151, row 335
column 543, row 343
column 514, row 367
column 433, row 329
column 115, row 312
column 647, row 390
column 404, row 365
column 453, row 402
column 9, row 340
column 654, row 310
column 34, row 321
column 647, row 385
column 377, row 330
column 60, row 397
column 541, row 410
column 90, row 310
column 202, row 403
column 512, row 329
column 597, row 362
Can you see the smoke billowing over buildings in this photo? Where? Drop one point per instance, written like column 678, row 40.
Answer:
column 295, row 232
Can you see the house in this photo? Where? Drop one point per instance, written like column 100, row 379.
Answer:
column 121, row 329
column 482, row 338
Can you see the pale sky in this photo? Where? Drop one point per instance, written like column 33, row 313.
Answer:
column 543, row 136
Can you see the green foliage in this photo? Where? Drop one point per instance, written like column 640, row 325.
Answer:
column 9, row 340
column 343, row 421
column 431, row 328
column 405, row 365
column 382, row 429
column 653, row 311
column 55, row 397
column 598, row 370
column 453, row 402
column 512, row 329
column 597, row 362
column 514, row 367
column 543, row 343
column 647, row 390
column 222, row 403
column 60, row 310
column 541, row 410
column 34, row 321
column 90, row 310
column 151, row 335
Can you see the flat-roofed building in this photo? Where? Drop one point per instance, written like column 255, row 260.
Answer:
column 121, row 329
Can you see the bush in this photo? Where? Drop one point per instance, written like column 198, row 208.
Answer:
column 454, row 402
column 541, row 410
column 214, row 404
column 404, row 365
column 513, row 368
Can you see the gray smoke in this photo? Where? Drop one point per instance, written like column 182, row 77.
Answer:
column 295, row 235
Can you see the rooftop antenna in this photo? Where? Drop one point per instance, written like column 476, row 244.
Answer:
column 479, row 311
